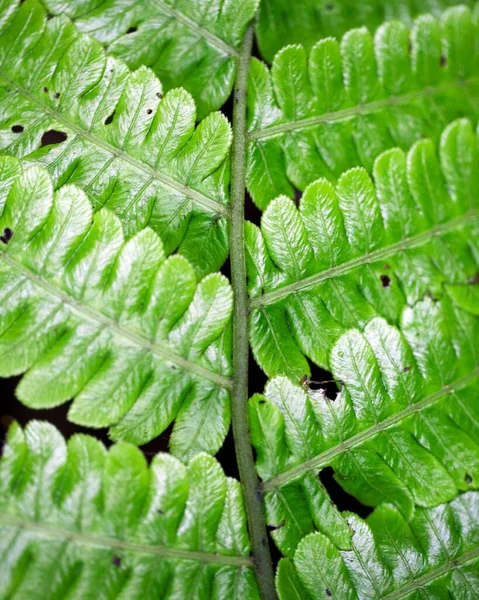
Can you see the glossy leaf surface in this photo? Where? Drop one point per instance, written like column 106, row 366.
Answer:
column 319, row 113
column 83, row 523
column 436, row 555
column 187, row 43
column 402, row 430
column 110, row 131
column 125, row 331
column 360, row 249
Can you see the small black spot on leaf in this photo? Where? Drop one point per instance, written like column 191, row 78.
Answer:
column 56, row 95
column 443, row 61
column 328, row 592
column 149, row 111
column 158, row 95
column 49, row 16
column 406, row 369
column 474, row 280
column 262, row 401
column 116, row 560
column 52, row 137
column 17, row 128
column 329, row 6
column 468, row 479
column 386, row 267
column 386, row 281
column 131, row 29
column 160, row 512
column 6, row 235
column 109, row 119
column 45, row 89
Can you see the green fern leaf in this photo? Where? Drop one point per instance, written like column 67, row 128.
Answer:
column 128, row 334
column 406, row 416
column 436, row 555
column 372, row 276
column 312, row 20
column 189, row 44
column 127, row 146
column 358, row 250
column 320, row 114
column 80, row 522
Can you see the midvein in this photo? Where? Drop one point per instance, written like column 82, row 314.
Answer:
column 117, row 544
column 187, row 191
column 211, row 38
column 325, row 457
column 434, row 574
column 86, row 312
column 417, row 240
column 362, row 109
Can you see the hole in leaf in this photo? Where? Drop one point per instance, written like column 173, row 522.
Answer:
column 341, row 498
column 52, row 137
column 386, row 281
column 6, row 235
column 131, row 29
column 110, row 118
column 116, row 560
column 17, row 128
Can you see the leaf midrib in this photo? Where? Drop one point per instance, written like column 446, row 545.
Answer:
column 117, row 544
column 360, row 109
column 211, row 38
column 89, row 313
column 155, row 174
column 420, row 582
column 408, row 243
column 325, row 457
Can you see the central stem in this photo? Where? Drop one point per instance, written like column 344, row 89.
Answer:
column 239, row 397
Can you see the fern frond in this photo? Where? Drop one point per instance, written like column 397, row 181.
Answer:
column 127, row 146
column 359, row 250
column 406, row 416
column 311, row 20
column 82, row 522
column 189, row 44
column 436, row 555
column 320, row 114
column 128, row 334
